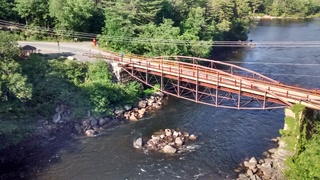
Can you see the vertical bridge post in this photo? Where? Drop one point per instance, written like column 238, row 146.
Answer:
column 179, row 70
column 161, row 75
column 197, row 83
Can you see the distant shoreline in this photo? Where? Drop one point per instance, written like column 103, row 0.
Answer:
column 268, row 17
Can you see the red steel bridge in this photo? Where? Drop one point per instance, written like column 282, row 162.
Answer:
column 214, row 83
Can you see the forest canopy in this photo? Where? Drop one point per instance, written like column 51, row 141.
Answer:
column 151, row 27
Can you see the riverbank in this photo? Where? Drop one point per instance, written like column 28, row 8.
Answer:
column 266, row 168
column 51, row 138
column 69, row 99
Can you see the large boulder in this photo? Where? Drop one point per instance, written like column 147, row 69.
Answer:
column 272, row 151
column 133, row 118
column 77, row 127
column 192, row 137
column 142, row 111
column 160, row 94
column 127, row 114
column 150, row 102
column 127, row 107
column 249, row 172
column 178, row 141
column 56, row 118
column 253, row 161
column 169, row 149
column 94, row 122
column 90, row 133
column 138, row 143
column 86, row 122
column 118, row 111
column 142, row 104
column 168, row 132
column 102, row 121
column 175, row 134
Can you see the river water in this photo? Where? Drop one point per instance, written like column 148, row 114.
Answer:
column 226, row 137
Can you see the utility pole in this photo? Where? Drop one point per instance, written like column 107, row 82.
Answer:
column 58, row 46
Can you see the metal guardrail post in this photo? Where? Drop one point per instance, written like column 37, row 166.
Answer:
column 197, row 83
column 161, row 75
column 217, row 94
column 239, row 96
column 179, row 69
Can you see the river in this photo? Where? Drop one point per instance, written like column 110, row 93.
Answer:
column 226, row 137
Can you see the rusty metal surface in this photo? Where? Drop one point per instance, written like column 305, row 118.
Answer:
column 215, row 83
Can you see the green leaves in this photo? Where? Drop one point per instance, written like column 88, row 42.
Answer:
column 156, row 35
column 72, row 14
column 302, row 138
column 12, row 83
column 33, row 11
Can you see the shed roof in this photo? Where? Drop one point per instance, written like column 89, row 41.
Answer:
column 29, row 48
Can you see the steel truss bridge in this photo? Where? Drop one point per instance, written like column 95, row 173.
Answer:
column 214, row 83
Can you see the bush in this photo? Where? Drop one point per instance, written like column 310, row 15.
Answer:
column 303, row 139
column 81, row 87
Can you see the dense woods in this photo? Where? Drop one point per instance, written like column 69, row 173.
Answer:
column 151, row 28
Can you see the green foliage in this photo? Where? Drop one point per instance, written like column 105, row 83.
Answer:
column 13, row 85
column 164, row 31
column 6, row 7
column 167, row 27
column 72, row 14
column 32, row 88
column 132, row 91
column 306, row 164
column 33, row 11
column 151, row 91
column 297, row 8
column 302, row 137
column 122, row 20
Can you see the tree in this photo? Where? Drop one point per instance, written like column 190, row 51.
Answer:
column 255, row 5
column 125, row 20
column 243, row 9
column 6, row 7
column 193, row 29
column 162, row 39
column 12, row 83
column 34, row 12
column 72, row 15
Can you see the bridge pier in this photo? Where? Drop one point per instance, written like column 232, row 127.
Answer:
column 118, row 74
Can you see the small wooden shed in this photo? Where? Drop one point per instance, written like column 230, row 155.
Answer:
column 27, row 50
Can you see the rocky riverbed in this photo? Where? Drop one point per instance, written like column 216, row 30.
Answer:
column 262, row 169
column 167, row 141
column 91, row 126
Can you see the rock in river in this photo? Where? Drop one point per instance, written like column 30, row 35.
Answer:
column 169, row 149
column 138, row 143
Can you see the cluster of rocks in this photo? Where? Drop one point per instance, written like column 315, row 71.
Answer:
column 167, row 141
column 92, row 127
column 263, row 169
column 133, row 114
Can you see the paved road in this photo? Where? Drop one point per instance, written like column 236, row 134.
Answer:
column 76, row 49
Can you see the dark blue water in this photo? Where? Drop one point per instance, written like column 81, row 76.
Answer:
column 226, row 137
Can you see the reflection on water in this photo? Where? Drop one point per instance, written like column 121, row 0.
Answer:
column 226, row 137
